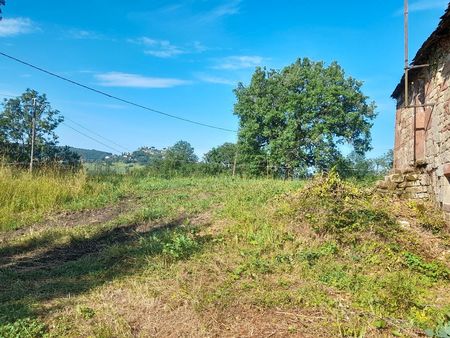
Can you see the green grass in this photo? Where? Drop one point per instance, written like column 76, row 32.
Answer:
column 26, row 199
column 195, row 257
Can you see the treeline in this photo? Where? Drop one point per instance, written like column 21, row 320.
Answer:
column 181, row 160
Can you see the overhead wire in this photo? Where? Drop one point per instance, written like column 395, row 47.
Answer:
column 87, row 129
column 90, row 137
column 115, row 97
column 7, row 95
column 97, row 134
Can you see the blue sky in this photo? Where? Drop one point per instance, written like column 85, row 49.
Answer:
column 185, row 58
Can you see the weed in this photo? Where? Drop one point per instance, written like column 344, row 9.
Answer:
column 432, row 270
column 333, row 206
column 399, row 293
column 85, row 312
column 442, row 331
column 180, row 246
column 23, row 328
column 427, row 217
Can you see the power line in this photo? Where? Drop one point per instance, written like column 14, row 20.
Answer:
column 87, row 129
column 7, row 95
column 113, row 96
column 90, row 137
column 97, row 134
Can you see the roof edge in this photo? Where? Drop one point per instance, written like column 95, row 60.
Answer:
column 423, row 54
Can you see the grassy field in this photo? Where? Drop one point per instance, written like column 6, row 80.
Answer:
column 136, row 256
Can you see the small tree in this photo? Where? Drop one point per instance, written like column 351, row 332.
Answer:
column 221, row 158
column 384, row 163
column 179, row 159
column 16, row 122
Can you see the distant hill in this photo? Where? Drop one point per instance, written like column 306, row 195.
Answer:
column 91, row 155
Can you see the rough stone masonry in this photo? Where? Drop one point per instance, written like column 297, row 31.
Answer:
column 422, row 131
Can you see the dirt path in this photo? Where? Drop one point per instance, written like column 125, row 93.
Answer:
column 69, row 219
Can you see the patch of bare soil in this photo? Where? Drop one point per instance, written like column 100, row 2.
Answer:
column 70, row 219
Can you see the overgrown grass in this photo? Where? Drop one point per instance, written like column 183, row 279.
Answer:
column 25, row 198
column 208, row 256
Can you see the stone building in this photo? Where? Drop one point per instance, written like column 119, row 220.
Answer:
column 422, row 130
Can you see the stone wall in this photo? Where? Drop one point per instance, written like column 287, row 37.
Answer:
column 422, row 137
column 410, row 185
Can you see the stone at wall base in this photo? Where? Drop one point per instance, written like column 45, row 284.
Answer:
column 407, row 185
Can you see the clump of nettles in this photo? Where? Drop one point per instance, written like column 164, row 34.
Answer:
column 331, row 205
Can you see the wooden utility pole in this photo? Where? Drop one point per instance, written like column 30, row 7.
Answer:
column 406, row 14
column 33, row 135
column 235, row 161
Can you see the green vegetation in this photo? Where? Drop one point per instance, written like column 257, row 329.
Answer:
column 294, row 119
column 91, row 155
column 17, row 119
column 25, row 199
column 142, row 255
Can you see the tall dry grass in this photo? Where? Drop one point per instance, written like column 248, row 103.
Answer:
column 25, row 198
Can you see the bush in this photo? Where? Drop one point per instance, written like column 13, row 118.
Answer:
column 333, row 206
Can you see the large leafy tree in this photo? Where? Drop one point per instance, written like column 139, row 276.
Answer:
column 294, row 120
column 16, row 126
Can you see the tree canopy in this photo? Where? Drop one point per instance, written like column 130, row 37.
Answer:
column 294, row 120
column 16, row 120
column 222, row 155
column 147, row 155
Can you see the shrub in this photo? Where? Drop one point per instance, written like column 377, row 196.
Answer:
column 399, row 293
column 332, row 206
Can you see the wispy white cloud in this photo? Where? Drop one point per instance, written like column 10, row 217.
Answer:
column 165, row 49
column 117, row 79
column 197, row 47
column 239, row 62
column 170, row 8
column 215, row 79
column 226, row 9
column 16, row 26
column 81, row 34
column 424, row 5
